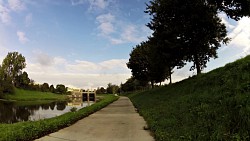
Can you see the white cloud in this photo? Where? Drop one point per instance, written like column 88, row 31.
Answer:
column 44, row 59
column 28, row 19
column 93, row 4
column 78, row 73
column 131, row 34
column 105, row 18
column 16, row 5
column 241, row 35
column 6, row 7
column 22, row 37
column 116, row 41
column 225, row 20
column 119, row 32
column 106, row 27
column 100, row 4
column 4, row 14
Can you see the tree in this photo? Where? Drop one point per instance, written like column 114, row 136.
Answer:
column 6, row 85
column 100, row 90
column 146, row 65
column 23, row 80
column 235, row 9
column 13, row 64
column 45, row 87
column 188, row 37
column 112, row 89
column 133, row 84
column 52, row 88
column 61, row 89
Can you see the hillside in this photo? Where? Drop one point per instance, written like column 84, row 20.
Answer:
column 212, row 106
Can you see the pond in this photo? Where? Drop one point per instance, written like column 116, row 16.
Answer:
column 12, row 112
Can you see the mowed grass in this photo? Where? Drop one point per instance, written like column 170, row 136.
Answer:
column 30, row 130
column 27, row 95
column 210, row 107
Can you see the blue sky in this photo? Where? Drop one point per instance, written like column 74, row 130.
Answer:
column 86, row 43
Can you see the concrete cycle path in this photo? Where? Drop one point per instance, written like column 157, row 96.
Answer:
column 117, row 122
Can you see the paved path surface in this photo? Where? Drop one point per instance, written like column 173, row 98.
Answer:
column 116, row 122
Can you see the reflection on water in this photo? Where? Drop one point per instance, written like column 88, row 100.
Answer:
column 11, row 112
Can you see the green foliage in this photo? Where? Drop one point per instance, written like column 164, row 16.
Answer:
column 52, row 88
column 133, row 84
column 112, row 89
column 60, row 89
column 235, row 9
column 24, row 131
column 45, row 87
column 101, row 90
column 146, row 65
column 13, row 64
column 213, row 106
column 181, row 35
column 23, row 81
column 5, row 83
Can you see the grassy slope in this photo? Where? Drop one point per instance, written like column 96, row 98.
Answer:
column 24, row 131
column 27, row 95
column 212, row 106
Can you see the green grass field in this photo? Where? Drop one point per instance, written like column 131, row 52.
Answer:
column 213, row 106
column 27, row 95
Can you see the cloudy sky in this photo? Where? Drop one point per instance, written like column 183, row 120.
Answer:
column 86, row 43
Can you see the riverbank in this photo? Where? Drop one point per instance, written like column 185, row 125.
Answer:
column 34, row 129
column 27, row 95
column 213, row 106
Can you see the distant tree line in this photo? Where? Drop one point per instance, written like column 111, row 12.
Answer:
column 12, row 75
column 183, row 31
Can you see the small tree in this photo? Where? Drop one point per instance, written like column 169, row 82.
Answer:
column 23, row 80
column 61, row 89
column 100, row 90
column 45, row 87
column 6, row 85
column 52, row 88
column 112, row 89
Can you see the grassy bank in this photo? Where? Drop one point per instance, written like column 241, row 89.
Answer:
column 31, row 130
column 27, row 95
column 213, row 106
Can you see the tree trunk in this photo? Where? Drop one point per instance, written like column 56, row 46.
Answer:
column 197, row 64
column 170, row 76
column 152, row 84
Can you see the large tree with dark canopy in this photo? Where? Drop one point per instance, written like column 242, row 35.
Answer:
column 146, row 65
column 189, row 30
column 235, row 9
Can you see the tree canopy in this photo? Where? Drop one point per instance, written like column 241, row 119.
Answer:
column 190, row 30
column 13, row 64
column 183, row 31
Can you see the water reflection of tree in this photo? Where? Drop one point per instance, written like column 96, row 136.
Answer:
column 52, row 105
column 45, row 106
column 11, row 112
column 61, row 105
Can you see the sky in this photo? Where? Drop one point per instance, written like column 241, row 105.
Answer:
column 86, row 43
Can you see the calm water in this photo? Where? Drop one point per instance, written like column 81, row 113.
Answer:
column 11, row 112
